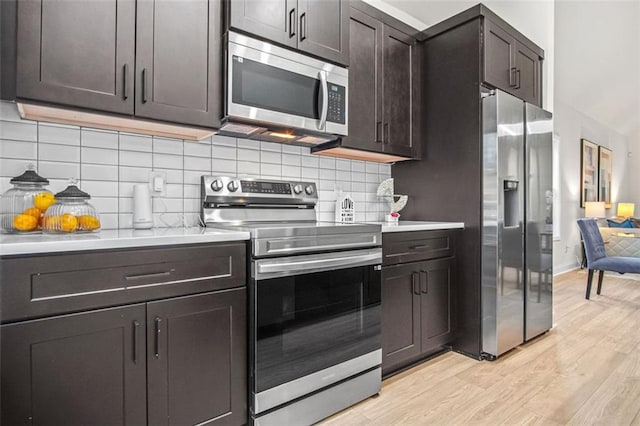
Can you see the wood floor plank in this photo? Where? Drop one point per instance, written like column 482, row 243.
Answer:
column 586, row 370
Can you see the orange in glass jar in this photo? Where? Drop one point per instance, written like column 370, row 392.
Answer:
column 25, row 222
column 88, row 222
column 68, row 222
column 43, row 200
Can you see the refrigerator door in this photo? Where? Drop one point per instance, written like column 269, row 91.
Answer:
column 539, row 214
column 503, row 223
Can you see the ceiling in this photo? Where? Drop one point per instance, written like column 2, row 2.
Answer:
column 594, row 45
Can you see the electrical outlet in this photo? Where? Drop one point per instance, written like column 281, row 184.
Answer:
column 158, row 184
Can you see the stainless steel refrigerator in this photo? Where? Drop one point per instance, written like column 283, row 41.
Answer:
column 516, row 258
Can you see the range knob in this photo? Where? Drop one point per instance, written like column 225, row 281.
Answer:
column 232, row 186
column 297, row 189
column 309, row 190
column 216, row 185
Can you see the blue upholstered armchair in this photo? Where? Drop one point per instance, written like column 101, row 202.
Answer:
column 597, row 259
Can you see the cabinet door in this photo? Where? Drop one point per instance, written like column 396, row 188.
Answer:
column 76, row 369
column 178, row 61
column 197, row 359
column 436, row 289
column 397, row 93
column 528, row 75
column 324, row 29
column 275, row 20
column 77, row 53
column 400, row 315
column 499, row 57
column 365, row 83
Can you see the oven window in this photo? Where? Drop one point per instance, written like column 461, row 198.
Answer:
column 306, row 323
column 258, row 85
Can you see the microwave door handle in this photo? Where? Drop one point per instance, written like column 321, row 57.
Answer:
column 325, row 100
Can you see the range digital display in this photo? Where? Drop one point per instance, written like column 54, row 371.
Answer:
column 258, row 187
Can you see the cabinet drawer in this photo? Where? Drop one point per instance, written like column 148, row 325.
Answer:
column 35, row 286
column 404, row 247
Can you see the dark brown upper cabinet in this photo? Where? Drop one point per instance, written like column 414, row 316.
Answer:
column 383, row 93
column 178, row 57
column 510, row 65
column 152, row 59
column 318, row 27
column 77, row 53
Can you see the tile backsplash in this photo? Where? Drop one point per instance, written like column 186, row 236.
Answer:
column 107, row 164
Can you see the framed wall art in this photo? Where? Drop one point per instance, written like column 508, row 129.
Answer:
column 605, row 168
column 588, row 172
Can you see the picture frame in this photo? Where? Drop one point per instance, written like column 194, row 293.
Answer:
column 589, row 171
column 605, row 170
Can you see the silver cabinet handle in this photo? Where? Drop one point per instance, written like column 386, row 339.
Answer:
column 325, row 100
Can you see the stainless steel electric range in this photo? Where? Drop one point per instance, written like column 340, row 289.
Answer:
column 314, row 299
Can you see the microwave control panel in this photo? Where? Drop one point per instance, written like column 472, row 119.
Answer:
column 337, row 104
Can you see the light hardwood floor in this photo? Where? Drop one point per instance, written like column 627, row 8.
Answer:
column 586, row 370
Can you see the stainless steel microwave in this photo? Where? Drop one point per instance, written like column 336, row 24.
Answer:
column 269, row 88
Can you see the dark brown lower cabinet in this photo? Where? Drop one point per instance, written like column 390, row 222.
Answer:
column 79, row 369
column 170, row 362
column 416, row 311
column 196, row 359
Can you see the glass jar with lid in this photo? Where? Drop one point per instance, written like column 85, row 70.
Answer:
column 71, row 213
column 22, row 207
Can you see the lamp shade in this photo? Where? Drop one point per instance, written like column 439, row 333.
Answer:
column 626, row 209
column 594, row 209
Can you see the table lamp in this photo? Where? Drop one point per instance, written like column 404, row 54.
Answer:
column 626, row 209
column 594, row 209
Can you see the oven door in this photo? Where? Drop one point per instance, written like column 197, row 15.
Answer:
column 316, row 321
column 268, row 84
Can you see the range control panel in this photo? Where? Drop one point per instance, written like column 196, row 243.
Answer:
column 251, row 191
column 337, row 104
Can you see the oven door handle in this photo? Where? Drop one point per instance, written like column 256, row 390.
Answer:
column 298, row 265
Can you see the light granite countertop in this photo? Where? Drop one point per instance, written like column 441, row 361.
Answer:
column 13, row 244
column 409, row 225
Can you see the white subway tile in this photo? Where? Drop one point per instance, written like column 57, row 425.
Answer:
column 18, row 149
column 344, row 186
column 14, row 167
column 310, row 173
column 357, row 166
column 326, row 217
column 125, row 220
column 168, row 205
column 105, row 204
column 198, row 148
column 360, row 216
column 197, row 163
column 290, row 149
column 99, row 156
column 385, row 169
column 358, row 186
column 371, row 187
column 327, row 163
column 309, row 161
column 371, row 177
column 51, row 152
column 245, row 154
column 223, row 140
column 167, row 161
column 191, row 177
column 326, row 185
column 223, row 166
column 167, row 146
column 270, row 146
column 173, row 175
column 372, row 217
column 358, row 177
column 9, row 111
column 343, row 164
column 20, row 131
column 99, row 172
column 291, row 172
column 191, row 205
column 327, row 174
column 174, row 190
column 109, row 221
column 272, row 170
column 97, row 188
column 224, row 152
column 358, row 197
column 63, row 135
column 371, row 167
column 136, row 159
column 99, row 139
column 248, row 144
column 248, row 168
column 125, row 205
column 342, row 175
column 192, row 191
column 55, row 170
column 56, row 185
column 134, row 174
column 129, row 142
column 270, row 157
column 291, row 160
